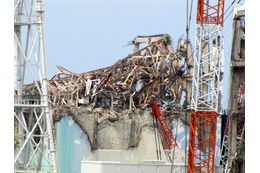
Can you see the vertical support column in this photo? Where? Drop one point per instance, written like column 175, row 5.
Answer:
column 191, row 141
column 202, row 138
column 205, row 86
column 44, row 97
column 135, row 47
column 21, row 139
column 35, row 136
column 95, row 132
column 237, row 78
column 232, row 141
column 17, row 30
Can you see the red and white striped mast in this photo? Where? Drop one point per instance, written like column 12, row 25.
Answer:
column 205, row 85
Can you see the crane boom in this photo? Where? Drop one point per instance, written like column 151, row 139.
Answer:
column 167, row 139
column 205, row 85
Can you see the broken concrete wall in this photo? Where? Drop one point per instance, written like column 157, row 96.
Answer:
column 146, row 150
column 121, row 136
column 107, row 129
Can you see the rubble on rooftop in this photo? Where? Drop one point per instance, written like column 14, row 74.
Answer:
column 111, row 104
column 151, row 72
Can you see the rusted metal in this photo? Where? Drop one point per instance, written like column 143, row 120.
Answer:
column 130, row 83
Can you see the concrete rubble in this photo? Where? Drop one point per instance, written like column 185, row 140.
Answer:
column 111, row 105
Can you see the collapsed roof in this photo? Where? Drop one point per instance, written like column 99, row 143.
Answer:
column 151, row 72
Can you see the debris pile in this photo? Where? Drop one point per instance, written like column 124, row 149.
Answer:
column 111, row 105
column 151, row 72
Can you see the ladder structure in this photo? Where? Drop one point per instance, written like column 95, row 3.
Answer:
column 168, row 141
column 34, row 146
column 239, row 138
column 224, row 147
column 205, row 85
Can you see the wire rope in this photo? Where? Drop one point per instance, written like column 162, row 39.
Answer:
column 188, row 21
column 155, row 138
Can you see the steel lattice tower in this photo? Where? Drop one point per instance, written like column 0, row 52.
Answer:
column 205, row 85
column 34, row 148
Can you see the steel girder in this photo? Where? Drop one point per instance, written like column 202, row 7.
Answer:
column 207, row 64
column 34, row 140
column 202, row 137
column 152, row 71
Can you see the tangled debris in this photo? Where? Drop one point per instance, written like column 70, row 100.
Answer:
column 111, row 105
column 151, row 72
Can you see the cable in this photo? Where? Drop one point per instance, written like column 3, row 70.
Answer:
column 185, row 61
column 187, row 29
column 158, row 139
column 185, row 149
column 227, row 27
column 228, row 15
column 155, row 138
column 230, row 6
column 190, row 14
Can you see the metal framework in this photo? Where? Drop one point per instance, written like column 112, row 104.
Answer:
column 153, row 72
column 205, row 85
column 239, row 138
column 210, row 13
column 130, row 83
column 206, row 75
column 34, row 148
column 168, row 141
column 224, row 148
column 202, row 141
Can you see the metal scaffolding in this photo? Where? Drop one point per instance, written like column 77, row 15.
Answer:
column 205, row 85
column 34, row 145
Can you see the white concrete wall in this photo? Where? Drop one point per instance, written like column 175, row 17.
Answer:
column 145, row 167
column 146, row 150
column 117, row 167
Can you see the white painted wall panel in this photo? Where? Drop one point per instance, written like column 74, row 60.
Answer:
column 146, row 167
